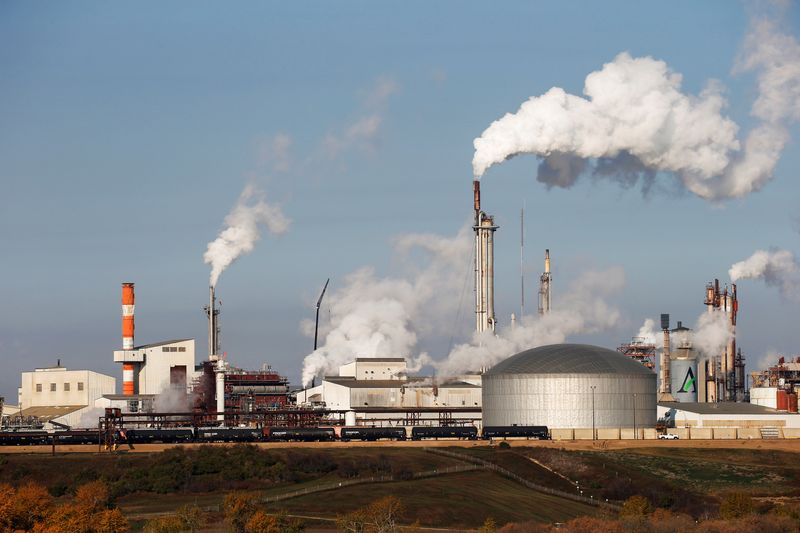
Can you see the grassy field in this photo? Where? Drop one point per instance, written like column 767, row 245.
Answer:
column 454, row 500
column 686, row 479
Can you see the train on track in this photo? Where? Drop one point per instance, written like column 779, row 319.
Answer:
column 269, row 434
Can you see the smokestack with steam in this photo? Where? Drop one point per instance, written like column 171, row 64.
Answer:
column 484, row 265
column 212, row 312
column 665, row 386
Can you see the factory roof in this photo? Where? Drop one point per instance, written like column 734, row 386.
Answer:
column 395, row 383
column 162, row 343
column 48, row 413
column 568, row 359
column 721, row 408
column 380, row 360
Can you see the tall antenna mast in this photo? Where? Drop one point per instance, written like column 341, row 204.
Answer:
column 522, row 261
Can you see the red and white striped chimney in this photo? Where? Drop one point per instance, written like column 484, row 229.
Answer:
column 127, row 337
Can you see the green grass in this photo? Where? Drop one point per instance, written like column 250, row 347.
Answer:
column 712, row 471
column 456, row 500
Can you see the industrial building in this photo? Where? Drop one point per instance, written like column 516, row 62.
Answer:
column 380, row 391
column 61, row 395
column 151, row 369
column 569, row 386
column 727, row 420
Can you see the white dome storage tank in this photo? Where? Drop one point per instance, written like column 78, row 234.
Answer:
column 556, row 385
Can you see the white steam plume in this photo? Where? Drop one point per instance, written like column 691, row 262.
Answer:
column 582, row 310
column 242, row 230
column 650, row 334
column 635, row 122
column 381, row 317
column 778, row 268
column 711, row 333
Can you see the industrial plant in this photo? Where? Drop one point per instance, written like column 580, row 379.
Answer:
column 560, row 391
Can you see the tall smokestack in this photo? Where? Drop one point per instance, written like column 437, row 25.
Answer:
column 665, row 387
column 545, row 282
column 128, row 301
column 213, row 325
column 476, row 192
column 484, row 264
column 128, row 326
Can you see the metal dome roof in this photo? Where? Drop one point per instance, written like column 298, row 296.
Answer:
column 568, row 359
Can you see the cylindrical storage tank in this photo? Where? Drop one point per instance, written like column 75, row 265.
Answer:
column 683, row 374
column 791, row 402
column 567, row 386
column 783, row 400
column 350, row 418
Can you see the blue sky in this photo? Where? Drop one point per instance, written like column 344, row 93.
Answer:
column 128, row 130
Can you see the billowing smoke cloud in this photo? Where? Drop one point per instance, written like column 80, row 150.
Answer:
column 582, row 310
column 242, row 230
column 635, row 121
column 712, row 333
column 778, row 268
column 386, row 317
column 650, row 334
column 381, row 317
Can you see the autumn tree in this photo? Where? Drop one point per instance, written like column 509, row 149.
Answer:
column 238, row 507
column 262, row 522
column 22, row 508
column 736, row 505
column 636, row 507
column 381, row 516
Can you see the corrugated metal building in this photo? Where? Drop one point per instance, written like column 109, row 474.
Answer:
column 570, row 386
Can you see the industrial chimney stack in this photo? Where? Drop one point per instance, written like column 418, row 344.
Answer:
column 213, row 324
column 484, row 264
column 664, row 384
column 545, row 282
column 128, row 369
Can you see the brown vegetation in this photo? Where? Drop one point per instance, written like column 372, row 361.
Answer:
column 31, row 508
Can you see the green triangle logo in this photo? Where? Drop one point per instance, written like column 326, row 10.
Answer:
column 689, row 382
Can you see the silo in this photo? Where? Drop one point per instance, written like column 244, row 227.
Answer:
column 684, row 379
column 569, row 386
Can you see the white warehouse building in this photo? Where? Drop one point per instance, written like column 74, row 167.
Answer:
column 160, row 366
column 372, row 387
column 61, row 395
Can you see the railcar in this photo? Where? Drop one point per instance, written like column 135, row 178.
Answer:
column 373, row 433
column 502, row 432
column 444, row 432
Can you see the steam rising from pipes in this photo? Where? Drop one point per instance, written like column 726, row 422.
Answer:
column 635, row 122
column 650, row 334
column 778, row 268
column 243, row 229
column 582, row 310
column 386, row 317
column 711, row 333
